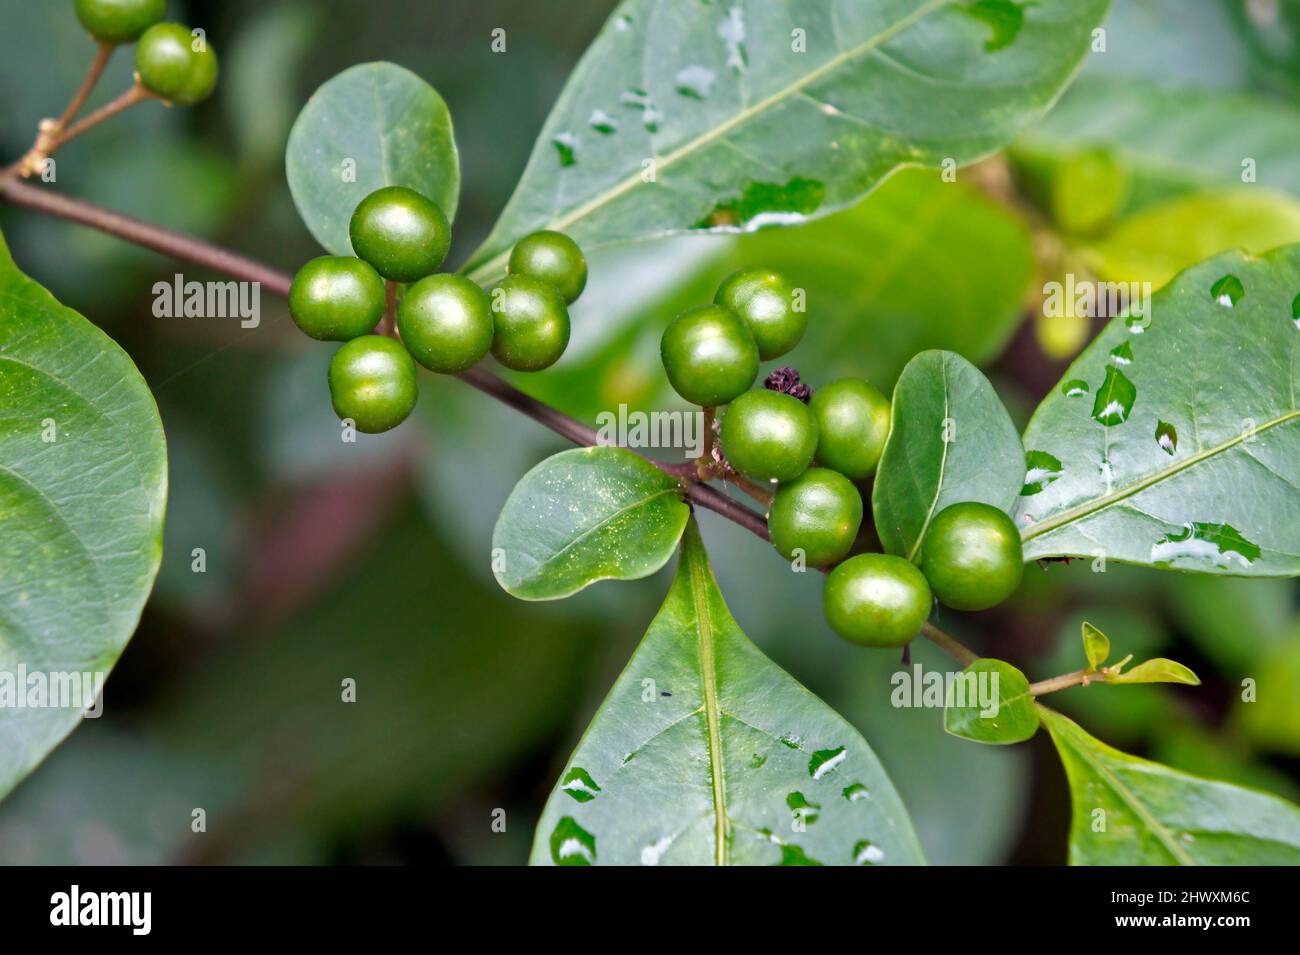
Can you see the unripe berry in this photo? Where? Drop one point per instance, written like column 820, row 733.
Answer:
column 765, row 299
column 709, row 355
column 373, row 382
column 769, row 436
column 818, row 513
column 531, row 323
column 446, row 322
column 336, row 298
column 852, row 425
column 876, row 600
column 972, row 557
column 119, row 21
column 404, row 235
column 552, row 257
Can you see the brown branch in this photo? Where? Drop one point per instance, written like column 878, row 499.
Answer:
column 102, row 55
column 178, row 245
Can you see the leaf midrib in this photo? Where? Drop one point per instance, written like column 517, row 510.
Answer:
column 704, row 139
column 708, row 674
column 943, row 465
column 1097, row 504
column 1127, row 796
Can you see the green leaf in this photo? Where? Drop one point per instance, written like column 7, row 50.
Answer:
column 83, row 485
column 1096, row 646
column 1177, row 137
column 1158, row 670
column 728, row 117
column 585, row 515
column 951, row 440
column 990, row 702
column 1156, row 243
column 705, row 752
column 957, row 282
column 1129, row 811
column 373, row 125
column 1194, row 461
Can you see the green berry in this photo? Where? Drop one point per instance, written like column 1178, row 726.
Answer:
column 171, row 67
column 446, row 322
column 876, row 600
column 553, row 257
column 203, row 77
column 769, row 436
column 765, row 300
column 119, row 21
column 401, row 233
column 852, row 425
column 336, row 298
column 971, row 556
column 818, row 512
column 373, row 382
column 709, row 355
column 532, row 324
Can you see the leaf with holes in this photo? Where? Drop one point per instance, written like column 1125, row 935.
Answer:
column 83, row 484
column 951, row 440
column 698, row 116
column 373, row 125
column 586, row 515
column 1130, row 811
column 1188, row 457
column 705, row 752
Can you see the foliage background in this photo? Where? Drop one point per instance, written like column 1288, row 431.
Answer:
column 371, row 561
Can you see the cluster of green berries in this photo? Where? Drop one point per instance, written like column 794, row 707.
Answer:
column 814, row 446
column 171, row 61
column 445, row 321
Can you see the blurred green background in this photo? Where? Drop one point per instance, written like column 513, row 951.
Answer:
column 371, row 561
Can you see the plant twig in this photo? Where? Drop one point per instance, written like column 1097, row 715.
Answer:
column 199, row 252
column 135, row 94
column 1067, row 680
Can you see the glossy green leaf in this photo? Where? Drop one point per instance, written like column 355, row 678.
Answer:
column 1176, row 136
column 685, row 116
column 585, row 515
column 1129, row 811
column 373, row 125
column 1158, row 670
column 83, row 485
column 1156, row 243
column 705, row 752
column 951, row 440
column 1187, row 455
column 990, row 702
column 957, row 282
column 1096, row 646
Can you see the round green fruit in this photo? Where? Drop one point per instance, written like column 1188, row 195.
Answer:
column 818, row 512
column 876, row 600
column 852, row 425
column 709, row 355
column 404, row 235
column 446, row 322
column 373, row 382
column 531, row 323
column 552, row 257
column 336, row 298
column 203, row 76
column 119, row 21
column 765, row 300
column 971, row 556
column 164, row 58
column 769, row 436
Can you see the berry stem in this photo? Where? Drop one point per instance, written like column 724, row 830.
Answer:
column 187, row 248
column 388, row 324
column 135, row 94
column 102, row 55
